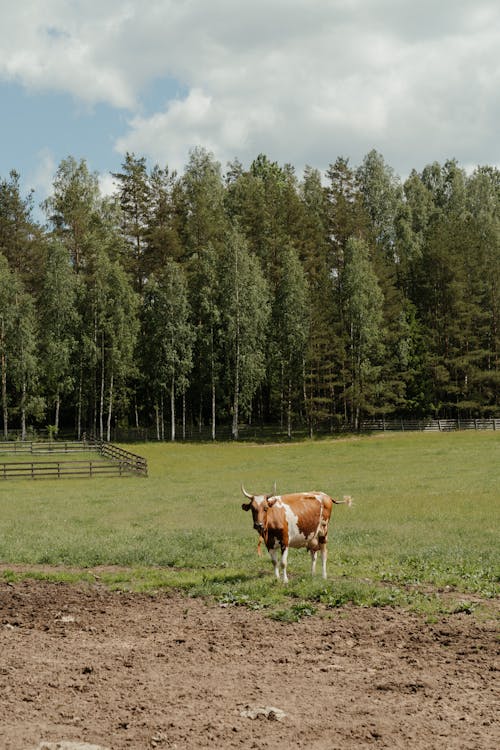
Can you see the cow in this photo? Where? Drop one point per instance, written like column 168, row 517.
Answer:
column 299, row 519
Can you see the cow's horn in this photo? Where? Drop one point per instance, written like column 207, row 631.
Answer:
column 275, row 488
column 247, row 494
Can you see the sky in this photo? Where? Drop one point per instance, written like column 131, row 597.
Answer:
column 302, row 81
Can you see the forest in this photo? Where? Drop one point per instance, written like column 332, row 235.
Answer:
column 215, row 298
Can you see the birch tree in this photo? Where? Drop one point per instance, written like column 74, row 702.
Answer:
column 290, row 329
column 167, row 342
column 59, row 323
column 10, row 287
column 205, row 285
column 245, row 314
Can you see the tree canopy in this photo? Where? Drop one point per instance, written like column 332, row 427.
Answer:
column 213, row 298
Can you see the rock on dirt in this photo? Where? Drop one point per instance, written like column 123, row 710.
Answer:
column 263, row 712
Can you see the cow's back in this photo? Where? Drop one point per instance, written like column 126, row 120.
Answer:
column 307, row 515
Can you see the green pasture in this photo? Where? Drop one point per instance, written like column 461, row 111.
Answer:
column 423, row 531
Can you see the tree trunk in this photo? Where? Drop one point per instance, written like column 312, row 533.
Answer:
column 4, row 382
column 23, row 410
column 289, row 409
column 212, row 378
column 183, row 415
column 172, row 409
column 101, row 405
column 200, row 415
column 157, row 410
column 56, row 417
column 110, row 408
column 79, row 407
column 282, row 395
column 162, row 418
column 236, row 396
column 213, row 410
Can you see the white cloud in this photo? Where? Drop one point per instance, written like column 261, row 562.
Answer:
column 60, row 46
column 301, row 80
column 107, row 184
column 42, row 177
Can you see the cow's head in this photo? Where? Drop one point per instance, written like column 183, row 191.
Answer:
column 259, row 505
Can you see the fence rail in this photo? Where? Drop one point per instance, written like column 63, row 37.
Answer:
column 59, row 469
column 115, row 461
column 135, row 463
column 41, row 447
column 429, row 425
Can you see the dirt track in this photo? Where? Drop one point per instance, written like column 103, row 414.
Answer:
column 130, row 671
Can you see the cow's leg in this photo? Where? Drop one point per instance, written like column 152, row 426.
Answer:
column 274, row 558
column 324, row 555
column 314, row 557
column 284, row 560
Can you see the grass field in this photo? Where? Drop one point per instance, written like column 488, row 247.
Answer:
column 423, row 531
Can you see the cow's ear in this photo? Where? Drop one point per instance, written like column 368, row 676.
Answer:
column 246, row 506
column 271, row 501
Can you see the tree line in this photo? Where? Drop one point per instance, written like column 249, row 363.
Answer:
column 214, row 298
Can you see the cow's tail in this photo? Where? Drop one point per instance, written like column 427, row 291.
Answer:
column 346, row 500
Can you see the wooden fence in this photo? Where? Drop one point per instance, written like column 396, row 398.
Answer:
column 41, row 447
column 431, row 425
column 136, row 464
column 115, row 461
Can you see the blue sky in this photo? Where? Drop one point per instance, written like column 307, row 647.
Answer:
column 35, row 123
column 303, row 81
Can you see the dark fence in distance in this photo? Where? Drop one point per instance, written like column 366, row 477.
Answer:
column 247, row 432
column 429, row 425
column 117, row 461
column 276, row 432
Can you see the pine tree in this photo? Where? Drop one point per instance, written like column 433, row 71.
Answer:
column 322, row 373
column 163, row 239
column 134, row 192
column 20, row 236
column 201, row 203
column 72, row 208
column 363, row 310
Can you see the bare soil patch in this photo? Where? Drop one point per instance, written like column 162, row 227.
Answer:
column 121, row 670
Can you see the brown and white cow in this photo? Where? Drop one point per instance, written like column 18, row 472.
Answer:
column 296, row 520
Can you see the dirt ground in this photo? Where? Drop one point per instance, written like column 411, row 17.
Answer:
column 121, row 670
